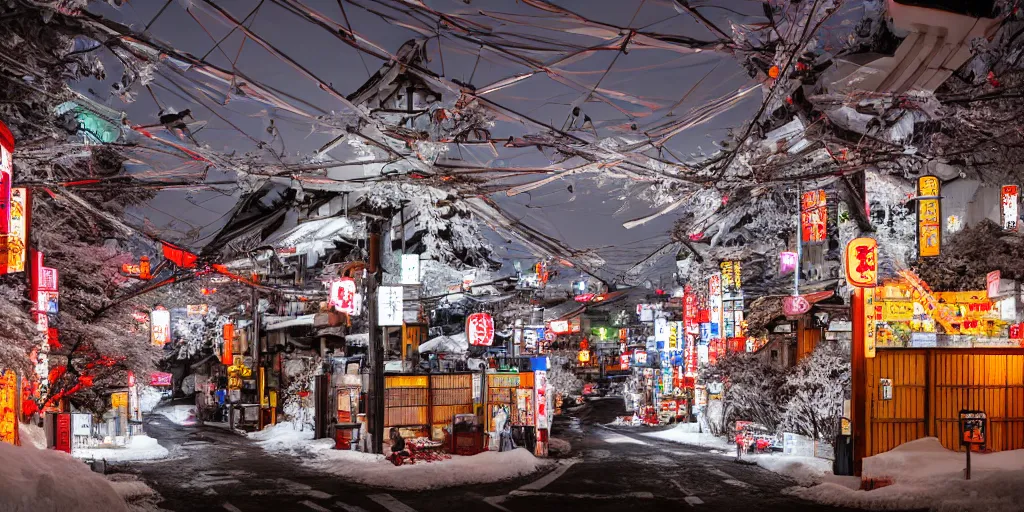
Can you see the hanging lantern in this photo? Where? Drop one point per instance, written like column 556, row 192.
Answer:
column 862, row 262
column 480, row 329
column 583, row 356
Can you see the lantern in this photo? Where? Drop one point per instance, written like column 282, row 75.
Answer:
column 862, row 262
column 480, row 329
column 583, row 356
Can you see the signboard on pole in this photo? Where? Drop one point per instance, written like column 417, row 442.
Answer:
column 9, row 407
column 389, row 306
column 992, row 283
column 1009, row 215
column 160, row 327
column 13, row 246
column 6, row 177
column 862, row 262
column 813, row 216
column 929, row 217
column 869, row 322
column 410, row 269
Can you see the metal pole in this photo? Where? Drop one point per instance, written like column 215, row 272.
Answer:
column 255, row 347
column 375, row 348
column 799, row 241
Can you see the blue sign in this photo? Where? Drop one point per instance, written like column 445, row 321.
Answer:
column 705, row 333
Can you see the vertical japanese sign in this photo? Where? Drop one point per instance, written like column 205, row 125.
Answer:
column 13, row 244
column 929, row 217
column 731, row 276
column 8, row 407
column 661, row 332
column 6, row 177
column 813, row 216
column 160, row 327
column 992, row 283
column 540, row 386
column 715, row 304
column 228, row 349
column 1009, row 215
column 869, row 322
column 389, row 306
column 673, row 336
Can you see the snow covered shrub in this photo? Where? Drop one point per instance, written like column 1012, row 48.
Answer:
column 561, row 379
column 817, row 387
column 752, row 389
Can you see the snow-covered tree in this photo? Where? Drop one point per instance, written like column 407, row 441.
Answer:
column 752, row 389
column 562, row 380
column 816, row 389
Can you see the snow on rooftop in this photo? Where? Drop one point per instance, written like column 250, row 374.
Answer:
column 454, row 344
column 315, row 235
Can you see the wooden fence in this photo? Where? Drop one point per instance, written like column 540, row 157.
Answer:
column 426, row 400
column 929, row 387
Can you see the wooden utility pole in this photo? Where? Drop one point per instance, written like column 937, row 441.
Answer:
column 375, row 346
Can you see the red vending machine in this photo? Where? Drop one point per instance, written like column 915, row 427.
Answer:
column 58, row 431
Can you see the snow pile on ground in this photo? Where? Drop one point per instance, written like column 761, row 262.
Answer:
column 50, row 481
column 32, row 435
column 178, row 414
column 149, row 398
column 626, row 421
column 804, row 470
column 137, row 495
column 284, row 436
column 926, row 475
column 141, row 447
column 376, row 471
column 557, row 446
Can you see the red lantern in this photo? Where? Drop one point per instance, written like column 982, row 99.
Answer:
column 480, row 329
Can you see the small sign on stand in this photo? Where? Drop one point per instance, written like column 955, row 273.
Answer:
column 973, row 425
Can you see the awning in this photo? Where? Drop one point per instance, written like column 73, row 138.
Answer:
column 304, row 320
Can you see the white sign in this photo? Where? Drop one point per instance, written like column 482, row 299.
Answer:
column 703, row 354
column 410, row 269
column 160, row 324
column 389, row 306
column 661, row 331
column 540, row 401
column 646, row 312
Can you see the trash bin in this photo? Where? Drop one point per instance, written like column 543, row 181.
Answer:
column 843, row 463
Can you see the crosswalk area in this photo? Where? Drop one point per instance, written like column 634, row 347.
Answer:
column 370, row 503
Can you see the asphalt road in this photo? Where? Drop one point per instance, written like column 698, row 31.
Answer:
column 608, row 470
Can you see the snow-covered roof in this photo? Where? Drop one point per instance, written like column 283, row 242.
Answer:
column 358, row 340
column 275, row 323
column 454, row 344
column 314, row 235
column 564, row 310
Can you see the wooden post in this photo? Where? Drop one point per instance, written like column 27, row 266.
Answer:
column 858, row 398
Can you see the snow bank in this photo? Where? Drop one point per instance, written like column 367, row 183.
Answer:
column 141, row 447
column 137, row 495
column 926, row 475
column 149, row 398
column 376, row 471
column 32, row 435
column 804, row 470
column 178, row 414
column 284, row 436
column 50, row 481
column 559, row 446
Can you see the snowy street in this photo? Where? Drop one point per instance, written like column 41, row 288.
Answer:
column 609, row 469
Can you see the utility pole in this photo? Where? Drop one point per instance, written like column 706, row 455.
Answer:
column 375, row 346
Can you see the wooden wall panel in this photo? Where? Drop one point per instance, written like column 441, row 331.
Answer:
column 932, row 386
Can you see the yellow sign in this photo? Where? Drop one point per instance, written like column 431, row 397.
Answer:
column 862, row 262
column 895, row 311
column 869, row 322
column 119, row 400
column 8, row 407
column 15, row 246
column 929, row 215
column 732, row 275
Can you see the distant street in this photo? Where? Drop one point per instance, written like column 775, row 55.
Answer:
column 609, row 470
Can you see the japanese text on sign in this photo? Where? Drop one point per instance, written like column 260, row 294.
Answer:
column 1009, row 216
column 929, row 217
column 813, row 216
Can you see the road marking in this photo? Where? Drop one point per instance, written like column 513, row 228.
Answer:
column 639, row 495
column 389, row 502
column 348, row 508
column 723, row 474
column 314, row 506
column 736, row 483
column 496, row 501
column 546, row 480
column 231, row 508
column 693, row 500
column 621, row 439
column 684, row 490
